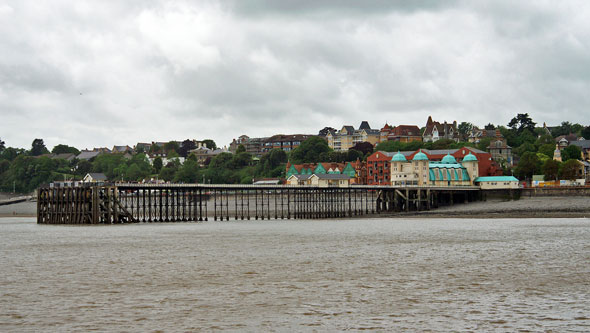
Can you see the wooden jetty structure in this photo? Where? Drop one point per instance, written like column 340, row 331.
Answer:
column 130, row 203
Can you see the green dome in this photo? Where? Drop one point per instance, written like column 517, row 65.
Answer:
column 420, row 157
column 449, row 159
column 470, row 158
column 399, row 157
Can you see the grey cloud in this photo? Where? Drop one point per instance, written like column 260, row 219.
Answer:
column 296, row 7
column 162, row 70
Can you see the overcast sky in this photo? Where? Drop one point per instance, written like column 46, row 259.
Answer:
column 100, row 73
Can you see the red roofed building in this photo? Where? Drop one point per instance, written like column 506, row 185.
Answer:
column 405, row 133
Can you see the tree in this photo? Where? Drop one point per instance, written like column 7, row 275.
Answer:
column 83, row 167
column 10, row 153
column 353, row 155
column 155, row 149
column 158, row 164
column 2, row 145
column 210, row 144
column 465, row 129
column 133, row 173
column 271, row 164
column 547, row 149
column 442, row 144
column 570, row 170
column 167, row 173
column 484, row 143
column 551, row 169
column 172, row 154
column 188, row 173
column 187, row 145
column 364, row 147
column 241, row 160
column 528, row 165
column 521, row 122
column 4, row 165
column 309, row 151
column 525, row 147
column 65, row 149
column 571, row 152
column 171, row 146
column 544, row 139
column 563, row 129
column 38, row 148
column 490, row 126
column 240, row 149
column 395, row 146
column 584, row 132
column 324, row 131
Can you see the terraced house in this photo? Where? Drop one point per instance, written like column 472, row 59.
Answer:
column 284, row 142
column 347, row 136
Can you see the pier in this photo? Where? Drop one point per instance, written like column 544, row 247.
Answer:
column 133, row 203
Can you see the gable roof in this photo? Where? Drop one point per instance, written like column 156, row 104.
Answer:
column 406, row 130
column 96, row 176
column 331, row 176
column 86, row 155
column 585, row 144
column 300, row 177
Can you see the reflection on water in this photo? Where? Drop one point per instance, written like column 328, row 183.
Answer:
column 381, row 274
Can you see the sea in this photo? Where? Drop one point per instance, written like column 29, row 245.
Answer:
column 379, row 274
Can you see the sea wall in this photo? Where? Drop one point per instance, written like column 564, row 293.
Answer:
column 515, row 194
column 555, row 191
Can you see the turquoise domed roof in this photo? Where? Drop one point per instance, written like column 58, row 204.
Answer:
column 449, row 159
column 420, row 157
column 470, row 158
column 399, row 157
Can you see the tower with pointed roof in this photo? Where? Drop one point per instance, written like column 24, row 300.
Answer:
column 471, row 164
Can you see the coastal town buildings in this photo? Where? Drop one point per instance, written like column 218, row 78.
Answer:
column 385, row 131
column 259, row 146
column 405, row 133
column 94, row 177
column 379, row 172
column 354, row 170
column 378, row 168
column 122, row 150
column 497, row 182
column 435, row 131
column 565, row 140
column 584, row 146
column 422, row 172
column 501, row 152
column 204, row 155
column 348, row 136
column 557, row 153
column 285, row 142
column 253, row 146
column 477, row 134
column 320, row 180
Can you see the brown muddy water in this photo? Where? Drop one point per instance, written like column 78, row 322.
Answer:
column 377, row 274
